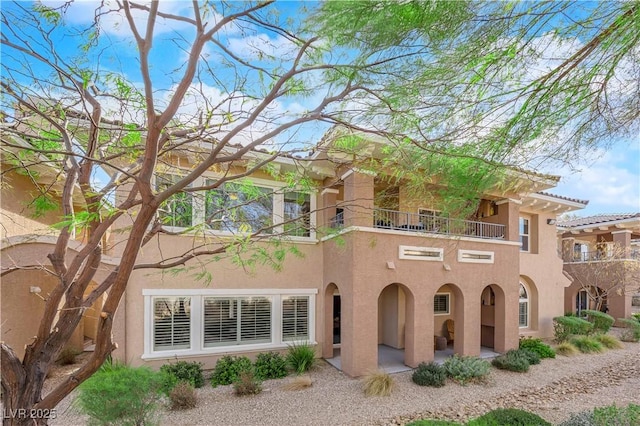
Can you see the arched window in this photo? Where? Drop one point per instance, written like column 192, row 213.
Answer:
column 523, row 317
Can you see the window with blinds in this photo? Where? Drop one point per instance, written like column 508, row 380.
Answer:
column 172, row 323
column 295, row 318
column 441, row 304
column 236, row 321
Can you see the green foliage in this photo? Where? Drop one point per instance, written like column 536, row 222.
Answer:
column 509, row 417
column 631, row 332
column 428, row 422
column 513, row 360
column 378, row 383
column 587, row 344
column 68, row 356
column 121, row 395
column 301, row 357
column 42, row 204
column 618, row 416
column 228, row 369
column 636, row 316
column 430, row 374
column 270, row 365
column 565, row 327
column 247, row 384
column 464, row 369
column 566, row 349
column 190, row 372
column 537, row 346
column 601, row 322
column 183, row 396
column 608, row 341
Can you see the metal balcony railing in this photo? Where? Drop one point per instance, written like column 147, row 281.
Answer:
column 599, row 255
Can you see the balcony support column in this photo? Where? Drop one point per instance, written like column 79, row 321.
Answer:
column 358, row 198
column 567, row 249
column 622, row 240
column 509, row 215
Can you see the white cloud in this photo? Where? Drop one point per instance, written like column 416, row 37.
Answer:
column 261, row 46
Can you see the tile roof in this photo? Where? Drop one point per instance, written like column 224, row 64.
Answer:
column 575, row 200
column 596, row 219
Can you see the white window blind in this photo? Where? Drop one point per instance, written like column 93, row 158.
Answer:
column 236, row 321
column 295, row 318
column 172, row 323
column 220, row 322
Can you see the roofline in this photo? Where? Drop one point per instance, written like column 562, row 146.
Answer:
column 598, row 224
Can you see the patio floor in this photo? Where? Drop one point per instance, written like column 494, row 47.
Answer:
column 391, row 360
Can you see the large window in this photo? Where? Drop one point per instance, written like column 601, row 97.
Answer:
column 441, row 304
column 177, row 210
column 239, row 208
column 524, row 234
column 523, row 315
column 192, row 322
column 297, row 207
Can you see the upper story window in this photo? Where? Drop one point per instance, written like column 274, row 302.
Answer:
column 177, row 210
column 524, row 230
column 239, row 208
column 297, row 207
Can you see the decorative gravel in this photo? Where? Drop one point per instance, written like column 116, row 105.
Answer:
column 553, row 389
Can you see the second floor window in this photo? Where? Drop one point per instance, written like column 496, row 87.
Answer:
column 524, row 234
column 177, row 210
column 239, row 208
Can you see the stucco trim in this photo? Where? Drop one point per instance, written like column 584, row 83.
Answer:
column 489, row 259
column 8, row 243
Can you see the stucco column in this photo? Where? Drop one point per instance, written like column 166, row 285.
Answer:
column 467, row 341
column 418, row 331
column 327, row 206
column 358, row 198
column 567, row 248
column 622, row 239
column 359, row 344
column 509, row 215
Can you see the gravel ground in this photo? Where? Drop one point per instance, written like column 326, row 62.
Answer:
column 554, row 389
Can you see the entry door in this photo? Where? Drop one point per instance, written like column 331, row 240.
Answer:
column 582, row 301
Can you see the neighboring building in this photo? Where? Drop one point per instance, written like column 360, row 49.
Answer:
column 389, row 270
column 602, row 254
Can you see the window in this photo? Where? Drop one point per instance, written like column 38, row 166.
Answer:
column 239, row 208
column 524, row 234
column 441, row 304
column 177, row 210
column 523, row 316
column 475, row 256
column 206, row 321
column 297, row 206
column 421, row 253
column 295, row 318
column 171, row 323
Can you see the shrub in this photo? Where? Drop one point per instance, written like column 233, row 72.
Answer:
column 584, row 418
column 298, row 383
column 510, row 417
column 301, row 357
column 228, row 369
column 631, row 333
column 378, row 383
column 68, row 356
column 183, row 396
column 190, row 372
column 587, row 344
column 619, row 416
column 566, row 349
column 270, row 365
column 118, row 394
column 466, row 368
column 537, row 346
column 565, row 327
column 636, row 316
column 513, row 360
column 430, row 374
column 247, row 384
column 608, row 341
column 601, row 322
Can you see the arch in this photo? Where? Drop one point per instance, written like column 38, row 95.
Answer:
column 448, row 306
column 332, row 329
column 493, row 318
column 530, row 303
column 396, row 319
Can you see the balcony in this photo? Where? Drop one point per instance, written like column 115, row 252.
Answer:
column 412, row 222
column 601, row 256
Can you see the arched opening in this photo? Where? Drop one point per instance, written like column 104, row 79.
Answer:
column 333, row 321
column 493, row 319
column 448, row 321
column 524, row 307
column 395, row 327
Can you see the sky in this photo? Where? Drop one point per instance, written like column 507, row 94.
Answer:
column 610, row 180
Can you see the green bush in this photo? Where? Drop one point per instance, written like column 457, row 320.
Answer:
column 601, row 322
column 618, row 416
column 636, row 316
column 228, row 369
column 513, row 360
column 430, row 374
column 584, row 418
column 190, row 372
column 587, row 344
column 565, row 327
column 247, row 384
column 183, row 396
column 537, row 346
column 509, row 417
column 466, row 368
column 631, row 333
column 121, row 395
column 608, row 341
column 301, row 357
column 270, row 365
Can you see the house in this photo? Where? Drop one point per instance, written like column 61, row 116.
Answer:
column 378, row 265
column 602, row 255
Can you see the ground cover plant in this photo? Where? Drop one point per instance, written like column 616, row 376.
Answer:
column 537, row 346
column 619, row 416
column 183, row 396
column 270, row 365
column 430, row 374
column 378, row 383
column 509, row 417
column 587, row 344
column 119, row 394
column 631, row 332
column 566, row 349
column 608, row 341
column 298, row 383
column 228, row 369
column 566, row 326
column 247, row 383
column 301, row 357
column 464, row 369
column 601, row 322
column 517, row 360
column 190, row 372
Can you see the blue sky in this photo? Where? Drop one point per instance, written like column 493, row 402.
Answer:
column 610, row 180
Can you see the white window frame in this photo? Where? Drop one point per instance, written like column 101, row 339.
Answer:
column 475, row 256
column 448, row 296
column 404, row 252
column 197, row 320
column 527, row 301
column 528, row 235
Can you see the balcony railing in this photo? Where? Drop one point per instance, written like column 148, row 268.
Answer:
column 412, row 222
column 599, row 255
